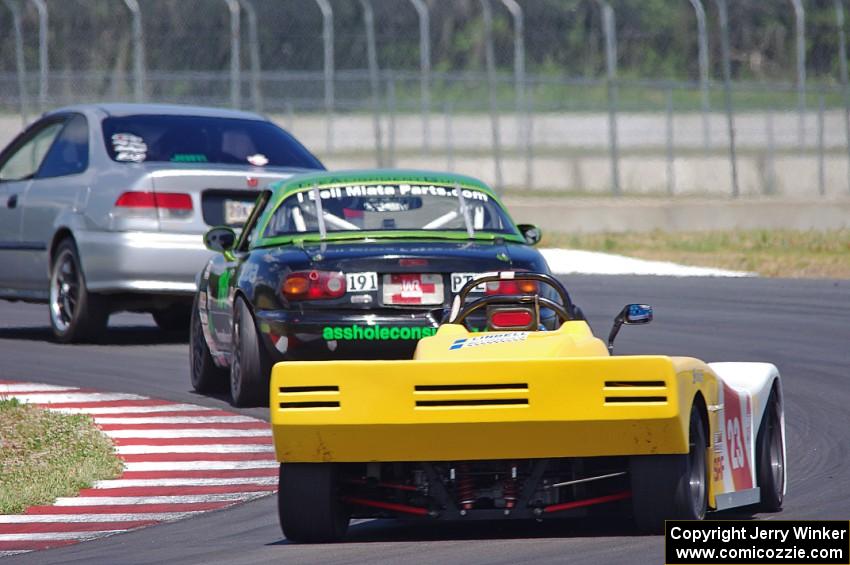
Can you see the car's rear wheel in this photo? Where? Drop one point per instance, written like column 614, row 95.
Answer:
column 75, row 314
column 770, row 457
column 308, row 503
column 249, row 365
column 205, row 374
column 176, row 318
column 671, row 487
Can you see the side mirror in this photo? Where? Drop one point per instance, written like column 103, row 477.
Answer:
column 631, row 314
column 220, row 239
column 531, row 233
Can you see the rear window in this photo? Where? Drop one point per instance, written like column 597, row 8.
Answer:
column 195, row 139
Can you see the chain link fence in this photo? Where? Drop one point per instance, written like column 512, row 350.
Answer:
column 535, row 96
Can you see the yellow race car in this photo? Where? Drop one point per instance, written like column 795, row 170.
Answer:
column 520, row 422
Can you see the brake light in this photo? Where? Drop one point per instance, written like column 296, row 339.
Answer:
column 313, row 285
column 514, row 318
column 511, row 287
column 167, row 205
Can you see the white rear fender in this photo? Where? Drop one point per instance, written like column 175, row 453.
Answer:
column 752, row 383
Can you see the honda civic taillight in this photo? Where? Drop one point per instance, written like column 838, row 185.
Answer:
column 165, row 205
column 313, row 285
column 508, row 286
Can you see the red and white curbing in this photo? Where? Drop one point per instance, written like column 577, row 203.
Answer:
column 179, row 460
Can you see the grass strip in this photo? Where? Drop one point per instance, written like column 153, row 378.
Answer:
column 45, row 455
column 770, row 253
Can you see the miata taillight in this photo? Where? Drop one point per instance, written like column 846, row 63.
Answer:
column 313, row 285
column 508, row 286
column 165, row 205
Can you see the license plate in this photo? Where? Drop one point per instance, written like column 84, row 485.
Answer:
column 361, row 282
column 460, row 279
column 413, row 289
column 237, row 211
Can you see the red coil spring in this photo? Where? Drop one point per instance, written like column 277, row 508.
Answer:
column 465, row 487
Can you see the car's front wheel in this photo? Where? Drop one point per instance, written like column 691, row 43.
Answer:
column 75, row 314
column 671, row 487
column 249, row 365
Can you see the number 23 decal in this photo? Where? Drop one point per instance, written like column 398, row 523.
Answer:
column 735, row 442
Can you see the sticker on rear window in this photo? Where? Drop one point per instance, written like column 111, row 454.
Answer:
column 129, row 147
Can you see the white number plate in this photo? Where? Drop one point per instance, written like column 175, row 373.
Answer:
column 415, row 289
column 237, row 211
column 460, row 279
column 361, row 282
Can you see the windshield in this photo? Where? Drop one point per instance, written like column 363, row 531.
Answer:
column 380, row 207
column 196, row 139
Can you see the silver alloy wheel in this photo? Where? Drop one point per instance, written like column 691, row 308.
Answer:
column 696, row 475
column 64, row 291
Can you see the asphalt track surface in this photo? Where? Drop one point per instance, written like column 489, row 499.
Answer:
column 801, row 326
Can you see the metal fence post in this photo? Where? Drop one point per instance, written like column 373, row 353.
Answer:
column 842, row 66
column 821, row 166
column 23, row 97
column 490, row 58
column 723, row 16
column 609, row 29
column 800, row 26
column 424, row 70
column 519, row 68
column 374, row 79
column 235, row 63
column 671, row 172
column 254, row 51
column 391, row 108
column 43, row 64
column 702, row 46
column 328, row 41
column 450, row 156
column 771, row 153
column 138, row 50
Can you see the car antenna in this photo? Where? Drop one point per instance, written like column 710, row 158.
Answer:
column 464, row 211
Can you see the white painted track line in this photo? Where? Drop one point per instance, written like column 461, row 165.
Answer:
column 30, row 387
column 175, row 499
column 574, row 261
column 54, row 398
column 134, row 409
column 124, row 483
column 53, row 536
column 174, row 420
column 139, row 516
column 198, row 465
column 238, row 448
column 187, row 433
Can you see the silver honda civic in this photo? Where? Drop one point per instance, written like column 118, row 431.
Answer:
column 103, row 206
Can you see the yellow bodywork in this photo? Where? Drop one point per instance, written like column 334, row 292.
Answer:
column 468, row 396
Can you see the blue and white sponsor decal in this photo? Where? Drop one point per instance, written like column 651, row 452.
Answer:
column 488, row 339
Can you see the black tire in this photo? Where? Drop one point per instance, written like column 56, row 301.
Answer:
column 249, row 365
column 671, row 487
column 770, row 460
column 76, row 315
column 205, row 375
column 308, row 503
column 177, row 318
